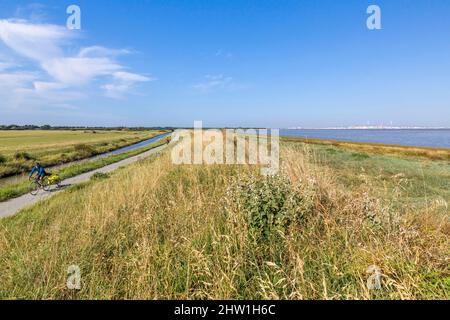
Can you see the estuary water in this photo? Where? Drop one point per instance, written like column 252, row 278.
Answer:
column 434, row 138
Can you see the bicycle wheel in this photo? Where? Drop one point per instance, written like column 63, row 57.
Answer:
column 46, row 184
column 34, row 188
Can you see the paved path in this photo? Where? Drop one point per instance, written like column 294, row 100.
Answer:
column 13, row 206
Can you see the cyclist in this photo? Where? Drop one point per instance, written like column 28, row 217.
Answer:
column 39, row 169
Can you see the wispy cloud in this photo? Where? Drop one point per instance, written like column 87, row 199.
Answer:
column 53, row 73
column 16, row 80
column 213, row 83
column 35, row 12
column 123, row 83
column 224, row 54
column 39, row 42
column 5, row 65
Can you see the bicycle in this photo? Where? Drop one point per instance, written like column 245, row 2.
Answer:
column 45, row 183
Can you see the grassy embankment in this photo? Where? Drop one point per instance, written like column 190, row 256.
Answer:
column 20, row 149
column 155, row 230
column 14, row 190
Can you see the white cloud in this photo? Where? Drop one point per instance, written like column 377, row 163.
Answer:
column 57, row 74
column 42, row 86
column 16, row 80
column 5, row 65
column 36, row 12
column 79, row 71
column 98, row 51
column 34, row 41
column 130, row 77
column 24, row 90
column 224, row 54
column 215, row 82
column 123, row 83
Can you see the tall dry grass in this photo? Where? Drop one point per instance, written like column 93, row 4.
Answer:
column 160, row 231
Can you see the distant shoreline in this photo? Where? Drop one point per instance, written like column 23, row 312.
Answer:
column 361, row 128
column 413, row 137
column 433, row 153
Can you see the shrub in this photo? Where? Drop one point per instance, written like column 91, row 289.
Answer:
column 8, row 193
column 99, row 176
column 331, row 151
column 23, row 156
column 63, row 158
column 360, row 156
column 2, row 159
column 270, row 204
column 84, row 149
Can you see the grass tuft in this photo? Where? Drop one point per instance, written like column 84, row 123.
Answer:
column 23, row 156
column 99, row 176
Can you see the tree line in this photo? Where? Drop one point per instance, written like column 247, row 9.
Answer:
column 49, row 127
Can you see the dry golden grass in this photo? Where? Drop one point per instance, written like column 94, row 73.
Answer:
column 20, row 149
column 159, row 231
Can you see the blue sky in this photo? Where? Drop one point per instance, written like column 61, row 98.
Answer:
column 310, row 63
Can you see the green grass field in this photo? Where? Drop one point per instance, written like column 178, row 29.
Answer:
column 19, row 149
column 14, row 190
column 154, row 230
